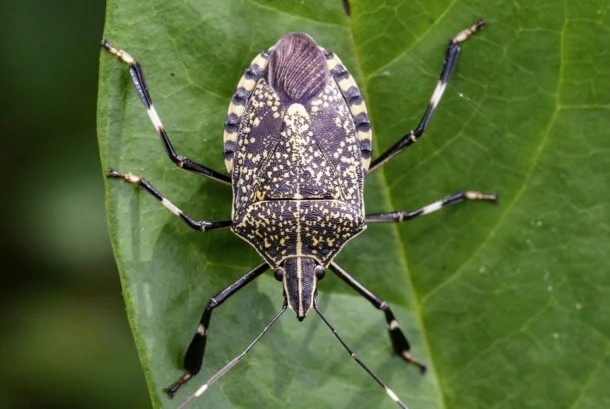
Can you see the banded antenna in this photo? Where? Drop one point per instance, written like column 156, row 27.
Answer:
column 239, row 357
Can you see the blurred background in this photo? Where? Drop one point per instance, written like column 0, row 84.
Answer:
column 65, row 339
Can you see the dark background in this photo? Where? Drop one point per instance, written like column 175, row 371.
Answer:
column 65, row 339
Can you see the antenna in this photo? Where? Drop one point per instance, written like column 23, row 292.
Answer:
column 232, row 363
column 387, row 390
column 239, row 357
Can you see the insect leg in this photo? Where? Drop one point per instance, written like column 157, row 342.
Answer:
column 202, row 225
column 433, row 207
column 194, row 354
column 233, row 361
column 137, row 77
column 453, row 50
column 399, row 341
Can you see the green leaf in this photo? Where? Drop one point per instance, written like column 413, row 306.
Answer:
column 508, row 304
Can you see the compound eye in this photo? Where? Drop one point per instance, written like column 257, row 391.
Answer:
column 319, row 272
column 279, row 274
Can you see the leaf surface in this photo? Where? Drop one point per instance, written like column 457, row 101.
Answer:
column 508, row 304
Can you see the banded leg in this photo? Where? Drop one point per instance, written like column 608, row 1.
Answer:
column 233, row 361
column 202, row 225
column 137, row 78
column 433, row 207
column 453, row 50
column 397, row 337
column 194, row 354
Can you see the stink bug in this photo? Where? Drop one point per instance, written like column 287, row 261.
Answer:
column 297, row 147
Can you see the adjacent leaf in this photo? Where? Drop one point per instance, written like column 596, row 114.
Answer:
column 507, row 304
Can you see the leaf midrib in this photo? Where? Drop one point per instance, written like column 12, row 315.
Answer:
column 402, row 255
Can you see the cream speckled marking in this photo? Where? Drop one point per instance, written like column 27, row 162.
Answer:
column 297, row 121
column 432, row 207
column 438, row 93
column 172, row 207
column 260, row 60
column 479, row 196
column 332, row 61
column 236, row 109
column 464, row 34
column 131, row 178
column 393, row 396
column 296, row 163
column 345, row 83
column 120, row 54
column 357, row 109
column 365, row 135
column 301, row 311
column 154, row 118
column 230, row 137
column 247, row 82
column 297, row 113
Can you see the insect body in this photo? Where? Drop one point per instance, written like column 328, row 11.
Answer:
column 296, row 164
column 297, row 146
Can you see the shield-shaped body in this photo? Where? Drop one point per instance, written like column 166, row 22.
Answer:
column 297, row 146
